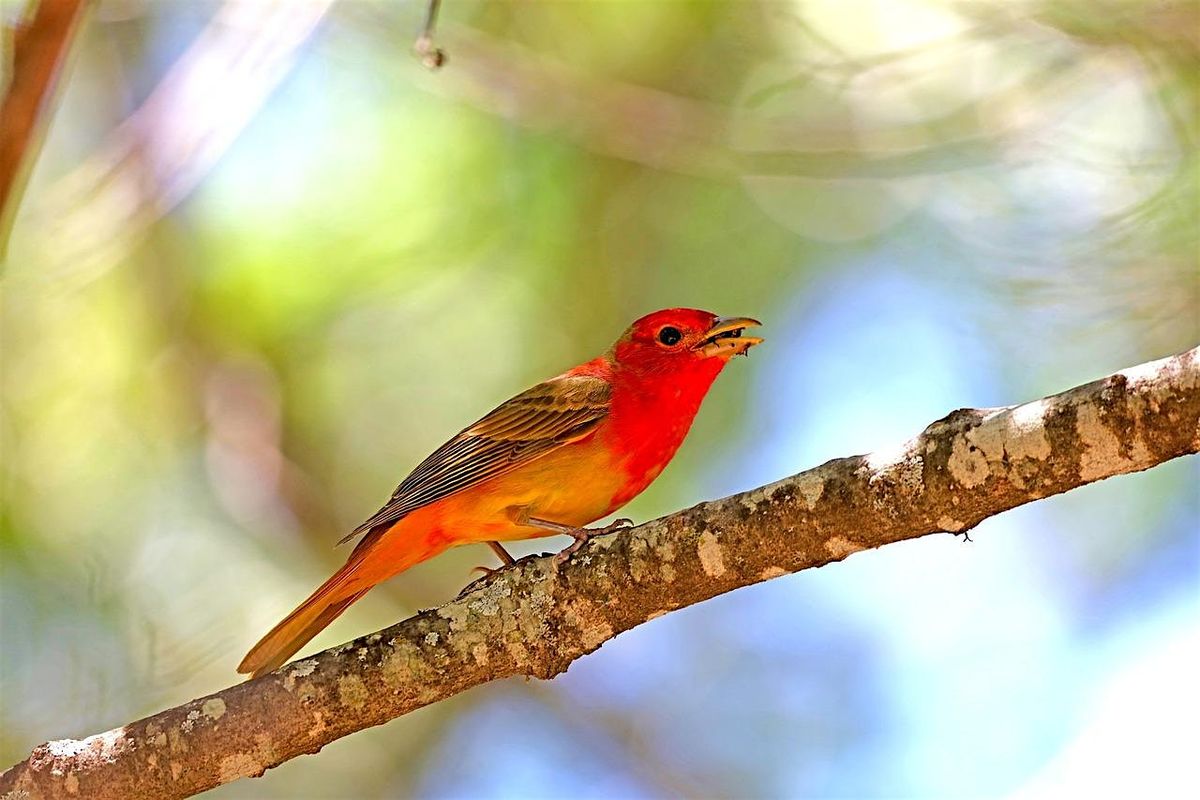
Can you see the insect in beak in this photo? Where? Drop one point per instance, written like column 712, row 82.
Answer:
column 725, row 337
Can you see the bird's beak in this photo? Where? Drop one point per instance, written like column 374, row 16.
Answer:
column 725, row 338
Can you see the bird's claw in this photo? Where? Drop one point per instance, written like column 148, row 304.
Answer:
column 583, row 535
column 491, row 573
column 483, row 580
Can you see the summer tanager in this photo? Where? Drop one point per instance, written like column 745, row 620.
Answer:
column 554, row 458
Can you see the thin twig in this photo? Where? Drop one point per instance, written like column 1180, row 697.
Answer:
column 431, row 56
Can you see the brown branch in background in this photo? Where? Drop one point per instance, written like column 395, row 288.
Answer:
column 92, row 217
column 38, row 50
column 431, row 56
column 534, row 620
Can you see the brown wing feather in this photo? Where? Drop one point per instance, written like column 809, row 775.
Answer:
column 541, row 419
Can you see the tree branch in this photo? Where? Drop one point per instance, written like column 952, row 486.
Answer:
column 960, row 470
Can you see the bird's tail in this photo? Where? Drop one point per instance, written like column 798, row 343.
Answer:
column 369, row 564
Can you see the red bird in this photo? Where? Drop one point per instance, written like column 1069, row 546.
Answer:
column 554, row 458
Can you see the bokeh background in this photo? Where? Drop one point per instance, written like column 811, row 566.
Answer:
column 266, row 262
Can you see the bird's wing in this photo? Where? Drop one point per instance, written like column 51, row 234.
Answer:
column 537, row 421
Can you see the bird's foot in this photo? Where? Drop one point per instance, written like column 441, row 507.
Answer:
column 583, row 535
column 491, row 573
column 487, row 577
column 488, row 572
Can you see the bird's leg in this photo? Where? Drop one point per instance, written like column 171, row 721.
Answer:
column 580, row 535
column 504, row 556
column 489, row 572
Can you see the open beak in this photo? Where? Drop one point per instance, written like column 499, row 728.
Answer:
column 725, row 337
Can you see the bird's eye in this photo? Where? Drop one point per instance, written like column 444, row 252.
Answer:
column 670, row 336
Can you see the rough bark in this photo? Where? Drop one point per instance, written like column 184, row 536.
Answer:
column 528, row 620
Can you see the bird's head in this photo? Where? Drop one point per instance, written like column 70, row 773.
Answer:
column 683, row 340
